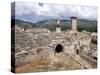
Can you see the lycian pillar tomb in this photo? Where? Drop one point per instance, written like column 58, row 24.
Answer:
column 58, row 26
column 74, row 23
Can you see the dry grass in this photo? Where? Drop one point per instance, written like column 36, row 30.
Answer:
column 45, row 65
column 32, row 66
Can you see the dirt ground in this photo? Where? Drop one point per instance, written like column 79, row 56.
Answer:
column 58, row 63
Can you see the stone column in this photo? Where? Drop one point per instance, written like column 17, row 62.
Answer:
column 58, row 26
column 74, row 23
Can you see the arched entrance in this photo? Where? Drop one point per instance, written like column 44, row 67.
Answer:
column 59, row 48
column 77, row 52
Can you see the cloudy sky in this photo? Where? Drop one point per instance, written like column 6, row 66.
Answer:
column 35, row 12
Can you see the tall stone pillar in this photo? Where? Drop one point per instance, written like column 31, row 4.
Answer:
column 74, row 23
column 58, row 26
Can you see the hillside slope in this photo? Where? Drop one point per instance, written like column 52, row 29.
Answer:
column 87, row 25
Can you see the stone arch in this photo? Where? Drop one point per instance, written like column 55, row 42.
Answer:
column 77, row 52
column 58, row 48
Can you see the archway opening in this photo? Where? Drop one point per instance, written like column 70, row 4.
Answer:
column 59, row 48
column 77, row 52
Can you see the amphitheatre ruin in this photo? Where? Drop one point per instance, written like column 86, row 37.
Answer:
column 39, row 49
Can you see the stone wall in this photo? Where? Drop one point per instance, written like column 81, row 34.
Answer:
column 31, row 46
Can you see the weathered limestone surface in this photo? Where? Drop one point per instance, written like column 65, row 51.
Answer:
column 79, row 49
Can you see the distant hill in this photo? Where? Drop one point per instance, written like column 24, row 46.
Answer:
column 23, row 24
column 66, row 24
column 87, row 25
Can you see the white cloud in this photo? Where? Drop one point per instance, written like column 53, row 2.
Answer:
column 42, row 10
column 52, row 10
column 25, row 8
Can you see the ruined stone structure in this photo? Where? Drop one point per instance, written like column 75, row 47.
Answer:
column 50, row 51
column 58, row 26
column 43, row 30
column 74, row 23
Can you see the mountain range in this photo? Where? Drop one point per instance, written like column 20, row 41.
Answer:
column 82, row 24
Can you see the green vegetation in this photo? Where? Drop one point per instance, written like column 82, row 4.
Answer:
column 87, row 25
